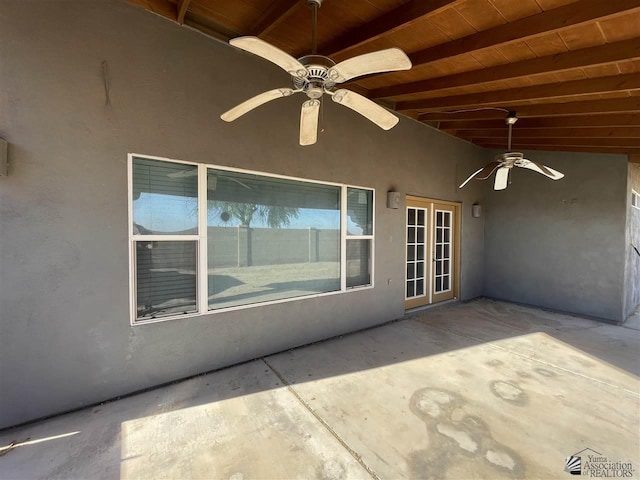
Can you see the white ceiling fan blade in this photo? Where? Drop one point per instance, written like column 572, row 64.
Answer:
column 388, row 60
column 366, row 108
column 488, row 169
column 273, row 54
column 502, row 177
column 309, row 122
column 471, row 177
column 255, row 102
column 542, row 169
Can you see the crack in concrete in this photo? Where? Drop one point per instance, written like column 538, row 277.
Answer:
column 322, row 421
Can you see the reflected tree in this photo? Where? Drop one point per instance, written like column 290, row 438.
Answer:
column 272, row 215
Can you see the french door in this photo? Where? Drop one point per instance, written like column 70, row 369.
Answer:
column 432, row 251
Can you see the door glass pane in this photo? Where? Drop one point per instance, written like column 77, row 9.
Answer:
column 166, row 277
column 420, row 269
column 411, row 216
column 421, row 217
column 165, row 198
column 411, row 289
column 419, row 287
column 411, row 253
column 410, row 271
column 420, row 252
column 270, row 238
column 411, row 235
column 420, row 234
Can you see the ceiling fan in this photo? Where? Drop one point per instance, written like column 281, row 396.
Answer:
column 504, row 162
column 314, row 75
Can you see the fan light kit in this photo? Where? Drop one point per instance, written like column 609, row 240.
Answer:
column 314, row 75
column 505, row 162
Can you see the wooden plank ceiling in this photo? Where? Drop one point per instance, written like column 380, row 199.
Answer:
column 569, row 69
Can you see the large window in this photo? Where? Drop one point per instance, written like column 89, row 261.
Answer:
column 205, row 238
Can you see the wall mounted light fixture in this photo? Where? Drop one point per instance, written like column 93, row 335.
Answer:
column 393, row 200
column 476, row 210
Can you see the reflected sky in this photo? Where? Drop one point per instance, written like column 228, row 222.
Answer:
column 171, row 213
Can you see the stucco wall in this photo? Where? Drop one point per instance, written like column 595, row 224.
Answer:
column 632, row 259
column 64, row 275
column 559, row 244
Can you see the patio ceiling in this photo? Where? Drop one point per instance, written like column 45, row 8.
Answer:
column 570, row 69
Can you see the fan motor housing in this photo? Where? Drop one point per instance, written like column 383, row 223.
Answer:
column 317, row 79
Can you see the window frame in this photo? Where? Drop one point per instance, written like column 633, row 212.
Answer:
column 202, row 301
column 344, row 230
column 635, row 199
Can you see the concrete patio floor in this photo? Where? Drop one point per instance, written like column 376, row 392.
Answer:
column 478, row 390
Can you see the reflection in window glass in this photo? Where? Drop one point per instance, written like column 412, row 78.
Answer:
column 270, row 238
column 358, row 266
column 359, row 211
column 165, row 198
column 165, row 278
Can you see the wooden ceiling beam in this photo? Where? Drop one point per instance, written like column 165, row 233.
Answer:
column 164, row 8
column 586, row 57
column 555, row 20
column 403, row 16
column 579, row 121
column 634, row 158
column 614, row 83
column 631, row 151
column 181, row 10
column 567, row 142
column 587, row 107
column 518, row 133
column 277, row 12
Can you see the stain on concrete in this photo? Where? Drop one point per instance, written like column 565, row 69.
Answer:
column 458, row 440
column 463, row 373
column 462, row 438
column 494, row 363
column 522, row 374
column 331, row 470
column 509, row 392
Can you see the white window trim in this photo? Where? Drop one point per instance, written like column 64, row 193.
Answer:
column 637, row 199
column 202, row 301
